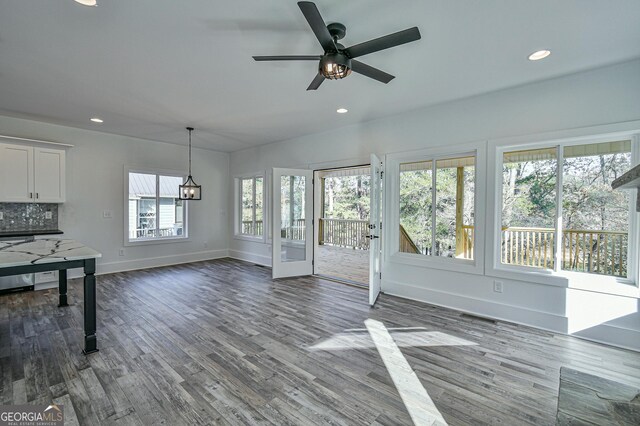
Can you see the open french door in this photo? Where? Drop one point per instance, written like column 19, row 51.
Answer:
column 375, row 230
column 292, row 222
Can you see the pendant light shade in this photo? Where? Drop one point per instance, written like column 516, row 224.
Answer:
column 190, row 190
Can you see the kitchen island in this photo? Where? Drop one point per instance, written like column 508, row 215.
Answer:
column 25, row 257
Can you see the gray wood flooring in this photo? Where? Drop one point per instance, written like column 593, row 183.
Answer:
column 219, row 342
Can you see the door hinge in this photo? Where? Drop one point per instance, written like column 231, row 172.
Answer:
column 381, row 173
column 380, row 275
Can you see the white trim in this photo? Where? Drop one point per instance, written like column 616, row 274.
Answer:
column 486, row 308
column 152, row 262
column 127, row 242
column 16, row 138
column 392, row 203
column 590, row 282
column 607, row 334
column 250, row 257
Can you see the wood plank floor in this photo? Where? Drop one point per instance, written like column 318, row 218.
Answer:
column 219, row 342
column 343, row 263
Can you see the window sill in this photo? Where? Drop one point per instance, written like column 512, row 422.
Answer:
column 152, row 241
column 448, row 264
column 570, row 280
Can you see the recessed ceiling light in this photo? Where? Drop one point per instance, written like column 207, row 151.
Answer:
column 87, row 2
column 342, row 110
column 97, row 120
column 540, row 54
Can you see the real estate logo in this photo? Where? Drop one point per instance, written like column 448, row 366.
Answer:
column 32, row 415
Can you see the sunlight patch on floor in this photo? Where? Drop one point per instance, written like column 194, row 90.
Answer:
column 415, row 397
column 409, row 337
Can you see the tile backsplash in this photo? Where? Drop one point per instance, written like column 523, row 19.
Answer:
column 28, row 216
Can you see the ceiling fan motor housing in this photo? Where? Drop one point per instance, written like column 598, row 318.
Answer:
column 335, row 66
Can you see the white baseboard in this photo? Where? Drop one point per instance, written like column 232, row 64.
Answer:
column 152, row 262
column 607, row 334
column 250, row 257
column 483, row 308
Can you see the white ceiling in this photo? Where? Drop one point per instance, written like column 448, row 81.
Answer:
column 151, row 67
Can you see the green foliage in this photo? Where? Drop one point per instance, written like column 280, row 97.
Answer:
column 347, row 197
column 416, row 207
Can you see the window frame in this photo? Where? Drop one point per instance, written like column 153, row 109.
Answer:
column 128, row 242
column 392, row 208
column 237, row 203
column 558, row 276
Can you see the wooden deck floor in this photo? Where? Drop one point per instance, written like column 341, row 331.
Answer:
column 343, row 263
column 220, row 342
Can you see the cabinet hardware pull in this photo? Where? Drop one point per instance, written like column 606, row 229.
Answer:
column 37, row 195
column 31, row 195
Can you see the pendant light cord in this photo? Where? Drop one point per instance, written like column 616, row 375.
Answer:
column 190, row 129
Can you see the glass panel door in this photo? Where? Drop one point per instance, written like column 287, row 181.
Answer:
column 292, row 223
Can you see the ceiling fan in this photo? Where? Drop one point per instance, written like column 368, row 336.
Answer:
column 337, row 62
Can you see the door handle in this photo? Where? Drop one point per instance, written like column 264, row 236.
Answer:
column 372, row 237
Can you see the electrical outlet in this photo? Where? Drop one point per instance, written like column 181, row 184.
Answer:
column 1, row 215
column 206, row 244
column 121, row 252
column 498, row 286
column 48, row 215
column 107, row 214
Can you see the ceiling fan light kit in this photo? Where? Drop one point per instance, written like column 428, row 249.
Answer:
column 338, row 62
column 335, row 66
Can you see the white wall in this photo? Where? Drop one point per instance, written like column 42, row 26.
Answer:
column 543, row 110
column 95, row 182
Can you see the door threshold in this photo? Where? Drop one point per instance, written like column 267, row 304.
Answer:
column 343, row 281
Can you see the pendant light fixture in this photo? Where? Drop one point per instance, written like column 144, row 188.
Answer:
column 189, row 190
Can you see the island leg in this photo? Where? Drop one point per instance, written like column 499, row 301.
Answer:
column 62, row 287
column 90, row 341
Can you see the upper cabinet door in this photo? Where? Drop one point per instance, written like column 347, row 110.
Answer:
column 49, row 172
column 16, row 173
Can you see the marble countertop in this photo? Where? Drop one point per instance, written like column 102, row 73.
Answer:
column 43, row 251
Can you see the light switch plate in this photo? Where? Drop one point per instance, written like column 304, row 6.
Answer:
column 107, row 214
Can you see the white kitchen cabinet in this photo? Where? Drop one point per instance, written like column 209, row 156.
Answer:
column 16, row 173
column 31, row 174
column 49, row 175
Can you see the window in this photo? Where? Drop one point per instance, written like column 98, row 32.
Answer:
column 529, row 207
column 154, row 210
column 437, row 201
column 251, row 206
column 560, row 213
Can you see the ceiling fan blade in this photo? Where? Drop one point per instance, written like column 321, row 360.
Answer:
column 311, row 13
column 317, row 81
column 384, row 42
column 371, row 72
column 288, row 58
